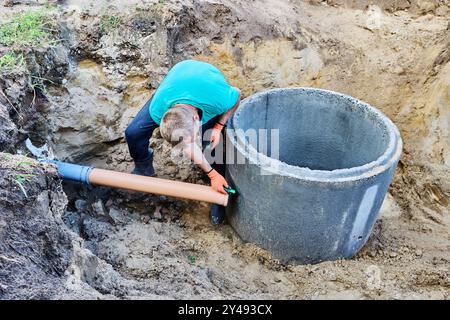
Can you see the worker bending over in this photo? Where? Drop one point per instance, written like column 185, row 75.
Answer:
column 193, row 95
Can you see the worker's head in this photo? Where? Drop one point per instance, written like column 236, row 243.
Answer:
column 180, row 124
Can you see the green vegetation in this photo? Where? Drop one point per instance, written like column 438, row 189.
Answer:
column 7, row 156
column 39, row 83
column 11, row 61
column 25, row 29
column 25, row 163
column 109, row 23
column 192, row 259
column 20, row 178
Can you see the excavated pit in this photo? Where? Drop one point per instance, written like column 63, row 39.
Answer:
column 128, row 245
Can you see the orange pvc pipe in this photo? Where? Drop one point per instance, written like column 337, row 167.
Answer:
column 170, row 188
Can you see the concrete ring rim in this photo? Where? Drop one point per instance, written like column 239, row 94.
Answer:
column 384, row 162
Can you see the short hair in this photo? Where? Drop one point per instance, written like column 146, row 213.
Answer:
column 177, row 124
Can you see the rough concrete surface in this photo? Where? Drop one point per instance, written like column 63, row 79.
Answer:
column 79, row 93
column 337, row 156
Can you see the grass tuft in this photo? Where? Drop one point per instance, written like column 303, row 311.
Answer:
column 109, row 23
column 25, row 29
column 11, row 61
column 191, row 259
column 20, row 178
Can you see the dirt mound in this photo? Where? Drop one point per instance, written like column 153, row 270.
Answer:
column 137, row 253
column 100, row 243
column 35, row 247
column 397, row 61
column 440, row 7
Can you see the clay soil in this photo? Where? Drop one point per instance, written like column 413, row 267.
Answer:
column 60, row 240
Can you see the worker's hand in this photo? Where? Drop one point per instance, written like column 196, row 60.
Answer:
column 215, row 135
column 217, row 181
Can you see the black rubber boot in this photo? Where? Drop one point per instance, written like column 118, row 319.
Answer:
column 217, row 214
column 144, row 167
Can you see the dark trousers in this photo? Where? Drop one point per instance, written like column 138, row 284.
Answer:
column 140, row 130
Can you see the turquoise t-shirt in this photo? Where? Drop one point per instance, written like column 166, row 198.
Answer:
column 198, row 84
